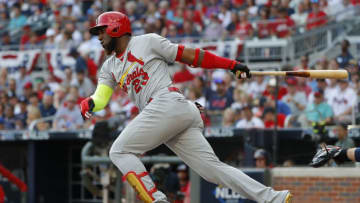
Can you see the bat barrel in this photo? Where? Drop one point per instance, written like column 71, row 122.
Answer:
column 333, row 74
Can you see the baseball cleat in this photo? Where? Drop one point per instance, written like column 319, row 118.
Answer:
column 288, row 198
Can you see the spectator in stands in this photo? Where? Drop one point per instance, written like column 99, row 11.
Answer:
column 9, row 117
column 345, row 57
column 230, row 29
column 22, row 77
column 257, row 87
column 262, row 159
column 21, row 111
column 322, row 63
column 353, row 69
column 25, row 38
column 285, row 5
column 316, row 17
column 343, row 102
column 34, row 41
column 28, row 90
column 296, row 100
column 342, row 133
column 319, row 110
column 301, row 15
column 199, row 84
column 68, row 77
column 2, row 127
column 214, row 29
column 4, row 98
column 224, row 16
column 212, row 8
column 35, row 114
column 50, row 38
column 249, row 120
column 184, row 181
column 3, row 78
column 60, row 96
column 85, row 85
column 196, row 95
column 11, row 90
column 321, row 85
column 71, row 12
column 219, row 99
column 6, row 42
column 171, row 32
column 303, row 86
column 343, row 10
column 2, row 109
column 264, row 26
column 269, row 115
column 34, row 100
column 74, row 90
column 331, row 90
column 18, row 20
column 270, row 90
column 4, row 18
column 80, row 62
column 252, row 8
column 274, row 12
column 240, row 99
column 47, row 107
column 189, row 30
column 228, row 118
column 70, row 37
column 68, row 116
column 304, row 63
column 244, row 28
column 283, row 25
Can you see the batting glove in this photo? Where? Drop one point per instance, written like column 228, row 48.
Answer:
column 241, row 71
column 86, row 107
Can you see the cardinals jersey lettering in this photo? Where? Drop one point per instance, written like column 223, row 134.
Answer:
column 142, row 70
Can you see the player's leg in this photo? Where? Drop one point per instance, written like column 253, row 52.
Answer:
column 195, row 151
column 152, row 127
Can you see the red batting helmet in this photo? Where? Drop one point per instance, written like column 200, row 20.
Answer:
column 117, row 24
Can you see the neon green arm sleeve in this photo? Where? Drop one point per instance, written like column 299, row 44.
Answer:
column 101, row 96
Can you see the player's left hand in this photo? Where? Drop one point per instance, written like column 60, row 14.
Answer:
column 241, row 71
column 86, row 106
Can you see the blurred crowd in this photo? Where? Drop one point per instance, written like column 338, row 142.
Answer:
column 65, row 23
column 260, row 102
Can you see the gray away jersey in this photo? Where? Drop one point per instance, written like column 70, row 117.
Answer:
column 142, row 70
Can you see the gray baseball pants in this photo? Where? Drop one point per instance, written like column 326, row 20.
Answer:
column 171, row 119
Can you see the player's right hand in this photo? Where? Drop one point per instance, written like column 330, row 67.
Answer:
column 241, row 71
column 86, row 107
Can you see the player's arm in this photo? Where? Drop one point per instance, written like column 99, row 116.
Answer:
column 97, row 101
column 205, row 59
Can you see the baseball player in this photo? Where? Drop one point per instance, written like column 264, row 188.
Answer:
column 340, row 155
column 139, row 65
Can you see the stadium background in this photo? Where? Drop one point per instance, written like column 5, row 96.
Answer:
column 270, row 127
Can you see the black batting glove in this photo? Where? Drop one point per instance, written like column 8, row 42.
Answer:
column 241, row 71
column 341, row 157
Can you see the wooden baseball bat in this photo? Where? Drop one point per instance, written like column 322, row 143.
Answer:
column 334, row 74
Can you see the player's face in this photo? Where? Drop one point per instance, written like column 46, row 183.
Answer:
column 106, row 41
